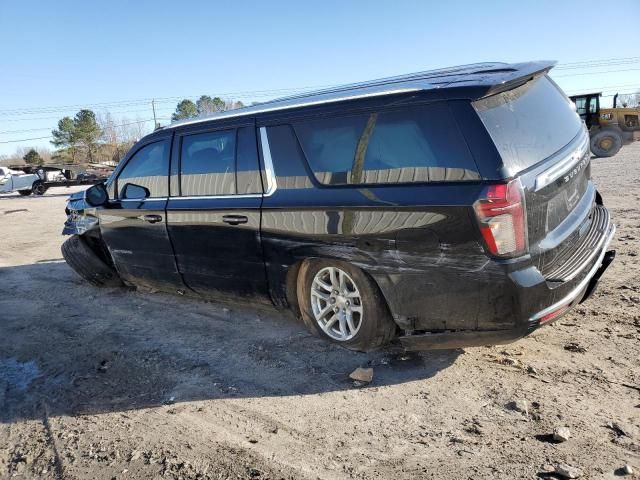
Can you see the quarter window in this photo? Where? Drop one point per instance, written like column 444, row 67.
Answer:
column 149, row 168
column 207, row 163
column 418, row 144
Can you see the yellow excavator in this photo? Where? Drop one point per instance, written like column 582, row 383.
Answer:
column 609, row 128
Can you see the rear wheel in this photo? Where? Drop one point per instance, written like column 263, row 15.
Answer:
column 24, row 193
column 38, row 188
column 341, row 303
column 606, row 143
column 86, row 263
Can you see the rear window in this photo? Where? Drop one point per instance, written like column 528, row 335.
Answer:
column 529, row 123
column 418, row 144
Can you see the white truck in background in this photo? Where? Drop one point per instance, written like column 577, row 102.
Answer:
column 21, row 182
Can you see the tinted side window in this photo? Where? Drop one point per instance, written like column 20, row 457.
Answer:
column 149, row 168
column 288, row 160
column 207, row 163
column 247, row 165
column 418, row 144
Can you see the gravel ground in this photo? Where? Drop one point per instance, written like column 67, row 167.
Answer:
column 111, row 383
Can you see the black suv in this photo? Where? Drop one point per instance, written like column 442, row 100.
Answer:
column 449, row 208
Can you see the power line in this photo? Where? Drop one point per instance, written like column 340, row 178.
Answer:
column 48, row 128
column 26, row 139
column 147, row 101
column 598, row 63
column 51, row 136
column 269, row 92
column 609, row 87
column 596, row 73
column 57, row 117
column 272, row 92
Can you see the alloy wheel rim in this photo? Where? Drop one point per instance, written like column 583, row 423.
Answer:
column 336, row 304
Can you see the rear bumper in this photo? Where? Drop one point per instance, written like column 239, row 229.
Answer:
column 533, row 297
column 587, row 284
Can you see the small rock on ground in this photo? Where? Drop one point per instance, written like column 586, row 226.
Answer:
column 362, row 375
column 567, row 471
column 561, row 434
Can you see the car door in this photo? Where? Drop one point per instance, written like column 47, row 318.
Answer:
column 133, row 223
column 213, row 214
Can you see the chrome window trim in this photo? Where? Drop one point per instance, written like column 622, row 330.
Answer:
column 269, row 173
column 565, row 164
column 141, row 199
column 191, row 197
column 217, row 197
column 583, row 283
column 268, row 163
column 255, row 110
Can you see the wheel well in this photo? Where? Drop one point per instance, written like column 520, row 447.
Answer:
column 291, row 287
column 95, row 242
column 292, row 279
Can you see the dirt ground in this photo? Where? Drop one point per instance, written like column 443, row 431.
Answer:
column 110, row 383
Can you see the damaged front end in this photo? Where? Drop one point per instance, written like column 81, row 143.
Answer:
column 81, row 216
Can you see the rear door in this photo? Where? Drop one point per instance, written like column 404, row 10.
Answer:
column 133, row 223
column 213, row 214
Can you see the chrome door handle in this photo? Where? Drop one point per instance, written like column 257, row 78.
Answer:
column 152, row 218
column 234, row 219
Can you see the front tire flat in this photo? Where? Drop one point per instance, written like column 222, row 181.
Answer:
column 86, row 263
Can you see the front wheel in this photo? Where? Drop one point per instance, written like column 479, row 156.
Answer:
column 86, row 263
column 606, row 143
column 340, row 303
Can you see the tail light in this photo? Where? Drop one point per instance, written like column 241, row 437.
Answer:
column 501, row 215
column 556, row 313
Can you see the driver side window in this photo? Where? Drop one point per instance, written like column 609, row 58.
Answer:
column 147, row 168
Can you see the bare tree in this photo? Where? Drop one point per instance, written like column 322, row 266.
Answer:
column 111, row 136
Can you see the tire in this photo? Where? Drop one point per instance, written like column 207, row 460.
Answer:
column 373, row 324
column 84, row 261
column 38, row 188
column 24, row 193
column 606, row 143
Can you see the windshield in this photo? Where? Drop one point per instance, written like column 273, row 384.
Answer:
column 529, row 123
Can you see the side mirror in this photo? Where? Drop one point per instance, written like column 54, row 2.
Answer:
column 97, row 195
column 135, row 192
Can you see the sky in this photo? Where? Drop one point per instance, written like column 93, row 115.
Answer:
column 58, row 57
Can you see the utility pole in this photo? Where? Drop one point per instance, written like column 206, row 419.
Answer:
column 155, row 122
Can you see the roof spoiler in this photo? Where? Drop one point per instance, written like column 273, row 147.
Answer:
column 521, row 74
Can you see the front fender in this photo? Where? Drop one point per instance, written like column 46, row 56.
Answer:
column 81, row 217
